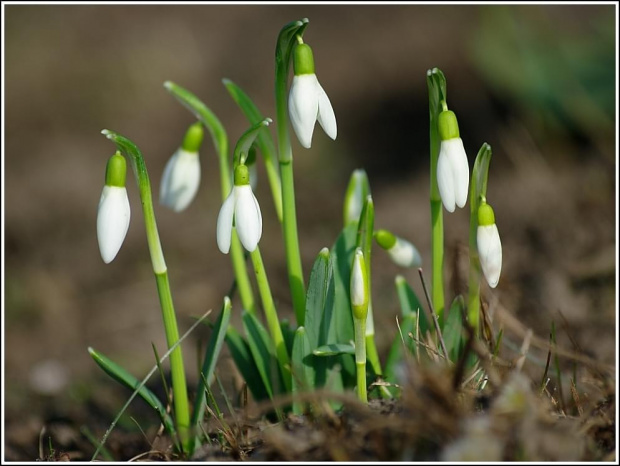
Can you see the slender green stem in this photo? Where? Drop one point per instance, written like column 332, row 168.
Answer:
column 473, row 299
column 371, row 351
column 437, row 257
column 360, row 358
column 241, row 273
column 284, row 47
column 220, row 141
column 478, row 188
column 179, row 388
column 437, row 93
column 364, row 240
column 272, row 318
column 291, row 242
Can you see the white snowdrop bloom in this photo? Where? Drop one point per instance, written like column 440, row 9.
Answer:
column 113, row 213
column 241, row 209
column 405, row 254
column 181, row 177
column 307, row 101
column 180, row 180
column 401, row 251
column 489, row 245
column 452, row 165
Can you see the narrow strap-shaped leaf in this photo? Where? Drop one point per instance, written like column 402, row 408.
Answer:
column 262, row 350
column 334, row 349
column 303, row 375
column 211, row 355
column 342, row 258
column 125, row 378
column 409, row 303
column 320, row 302
column 453, row 328
column 241, row 354
column 288, row 333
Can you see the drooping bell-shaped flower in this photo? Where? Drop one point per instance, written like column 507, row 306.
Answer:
column 181, row 177
column 240, row 209
column 113, row 213
column 307, row 101
column 489, row 244
column 452, row 165
column 401, row 251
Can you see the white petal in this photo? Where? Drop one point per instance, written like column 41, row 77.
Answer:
column 490, row 253
column 358, row 287
column 248, row 219
column 260, row 218
column 405, row 254
column 445, row 179
column 113, row 217
column 326, row 116
column 460, row 168
column 303, row 107
column 180, row 180
column 225, row 223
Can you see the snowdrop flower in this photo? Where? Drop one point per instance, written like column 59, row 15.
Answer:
column 401, row 251
column 181, row 177
column 489, row 244
column 452, row 165
column 307, row 101
column 359, row 286
column 242, row 209
column 113, row 213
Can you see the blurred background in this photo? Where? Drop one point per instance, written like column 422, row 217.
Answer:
column 535, row 82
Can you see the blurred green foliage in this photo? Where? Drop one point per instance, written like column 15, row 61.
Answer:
column 560, row 71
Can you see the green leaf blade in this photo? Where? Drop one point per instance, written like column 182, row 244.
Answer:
column 241, row 354
column 119, row 374
column 212, row 353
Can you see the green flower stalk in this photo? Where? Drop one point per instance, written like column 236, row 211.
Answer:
column 436, row 82
column 181, row 177
column 284, row 48
column 242, row 210
column 364, row 241
column 179, row 388
column 359, row 307
column 477, row 192
column 220, row 141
